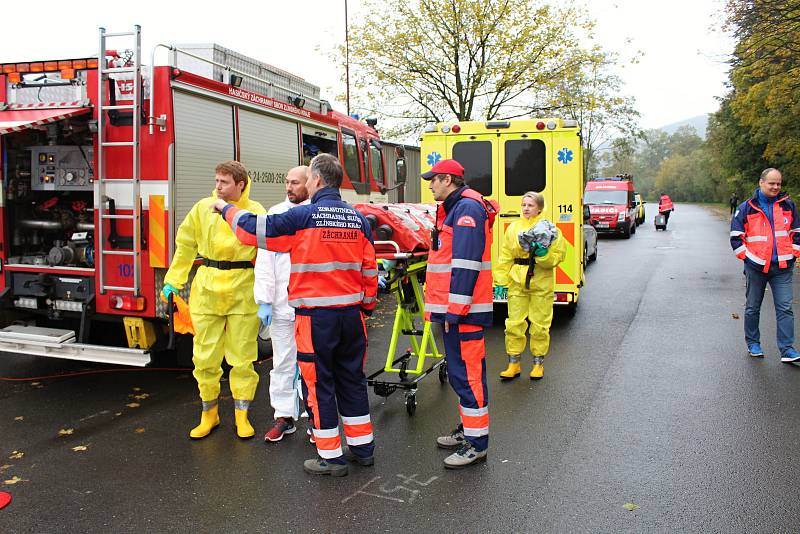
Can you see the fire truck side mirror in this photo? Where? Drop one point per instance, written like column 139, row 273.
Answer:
column 402, row 171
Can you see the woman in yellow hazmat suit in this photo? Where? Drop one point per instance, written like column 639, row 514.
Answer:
column 221, row 300
column 529, row 297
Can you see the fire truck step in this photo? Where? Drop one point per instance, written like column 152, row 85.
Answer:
column 119, row 252
column 21, row 343
column 118, row 70
column 119, row 34
column 37, row 333
column 118, row 288
column 119, row 106
column 117, row 143
column 125, row 217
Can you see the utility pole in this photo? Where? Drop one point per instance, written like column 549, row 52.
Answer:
column 347, row 58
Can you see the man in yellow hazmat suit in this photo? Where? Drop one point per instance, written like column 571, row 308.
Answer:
column 221, row 302
column 530, row 287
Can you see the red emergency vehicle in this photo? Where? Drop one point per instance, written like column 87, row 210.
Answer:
column 612, row 205
column 101, row 159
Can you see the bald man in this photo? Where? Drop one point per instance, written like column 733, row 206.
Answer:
column 270, row 291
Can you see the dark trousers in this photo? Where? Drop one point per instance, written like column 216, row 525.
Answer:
column 465, row 352
column 331, row 350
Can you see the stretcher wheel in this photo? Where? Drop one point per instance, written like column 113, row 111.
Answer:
column 403, row 369
column 411, row 403
column 443, row 372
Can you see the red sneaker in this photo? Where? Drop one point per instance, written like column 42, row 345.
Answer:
column 281, row 427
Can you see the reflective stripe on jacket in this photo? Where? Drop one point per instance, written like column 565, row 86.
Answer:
column 753, row 238
column 458, row 282
column 330, row 246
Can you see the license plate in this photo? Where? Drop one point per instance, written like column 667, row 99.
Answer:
column 602, row 225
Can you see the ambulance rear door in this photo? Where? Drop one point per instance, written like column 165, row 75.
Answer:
column 567, row 209
column 481, row 160
column 524, row 167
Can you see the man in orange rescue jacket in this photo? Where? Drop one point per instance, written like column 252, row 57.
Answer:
column 765, row 234
column 332, row 285
column 458, row 294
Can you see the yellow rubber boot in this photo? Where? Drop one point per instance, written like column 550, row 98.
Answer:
column 209, row 420
column 538, row 368
column 512, row 371
column 243, row 427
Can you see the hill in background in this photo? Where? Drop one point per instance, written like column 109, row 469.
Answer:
column 699, row 123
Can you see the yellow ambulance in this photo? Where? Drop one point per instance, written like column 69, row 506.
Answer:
column 504, row 159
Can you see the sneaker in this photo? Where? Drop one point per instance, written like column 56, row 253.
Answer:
column 281, row 427
column 790, row 356
column 464, row 456
column 310, row 435
column 452, row 441
column 318, row 466
column 353, row 458
column 754, row 350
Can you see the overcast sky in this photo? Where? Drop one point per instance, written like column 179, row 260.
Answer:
column 679, row 76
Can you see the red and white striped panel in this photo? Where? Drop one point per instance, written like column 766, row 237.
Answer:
column 48, row 105
column 17, row 120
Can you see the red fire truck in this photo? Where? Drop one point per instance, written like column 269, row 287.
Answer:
column 612, row 206
column 101, row 159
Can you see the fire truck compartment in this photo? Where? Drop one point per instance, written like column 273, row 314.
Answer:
column 49, row 198
column 58, row 343
column 56, row 286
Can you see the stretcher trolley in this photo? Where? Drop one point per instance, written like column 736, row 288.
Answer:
column 402, row 240
column 406, row 274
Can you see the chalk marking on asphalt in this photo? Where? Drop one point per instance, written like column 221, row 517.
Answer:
column 386, row 490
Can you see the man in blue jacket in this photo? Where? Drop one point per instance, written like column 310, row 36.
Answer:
column 765, row 234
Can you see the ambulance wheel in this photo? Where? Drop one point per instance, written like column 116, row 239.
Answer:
column 443, row 372
column 411, row 403
column 572, row 309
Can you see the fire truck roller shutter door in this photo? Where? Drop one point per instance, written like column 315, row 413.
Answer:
column 268, row 147
column 203, row 138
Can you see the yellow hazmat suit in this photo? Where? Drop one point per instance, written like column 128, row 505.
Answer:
column 535, row 303
column 221, row 301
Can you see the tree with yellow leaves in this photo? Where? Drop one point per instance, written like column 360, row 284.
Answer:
column 434, row 60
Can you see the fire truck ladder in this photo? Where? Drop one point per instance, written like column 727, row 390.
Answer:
column 104, row 85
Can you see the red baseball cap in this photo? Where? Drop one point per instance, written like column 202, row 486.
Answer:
column 446, row 166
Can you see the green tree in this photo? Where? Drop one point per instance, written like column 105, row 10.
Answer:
column 764, row 102
column 738, row 157
column 427, row 60
column 592, row 95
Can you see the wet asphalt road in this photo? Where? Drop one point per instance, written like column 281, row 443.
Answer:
column 648, row 398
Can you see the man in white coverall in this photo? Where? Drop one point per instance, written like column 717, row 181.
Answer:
column 270, row 290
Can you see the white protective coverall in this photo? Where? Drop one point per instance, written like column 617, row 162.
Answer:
column 271, row 287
